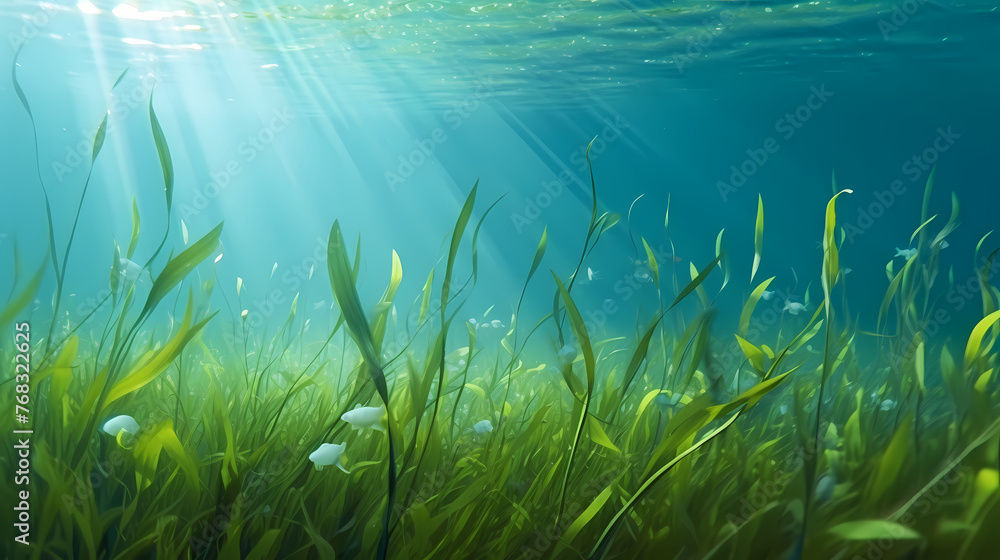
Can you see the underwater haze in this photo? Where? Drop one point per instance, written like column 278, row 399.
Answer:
column 602, row 279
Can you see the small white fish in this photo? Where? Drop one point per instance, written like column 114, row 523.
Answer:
column 239, row 285
column 128, row 270
column 485, row 325
column 483, row 427
column 766, row 295
column 121, row 423
column 244, row 313
column 905, row 253
column 794, row 307
column 497, row 323
column 848, row 271
column 592, row 274
column 329, row 454
column 184, row 232
column 942, row 244
column 472, row 321
column 566, row 355
column 887, row 405
column 273, row 268
column 365, row 417
column 219, row 258
column 783, row 409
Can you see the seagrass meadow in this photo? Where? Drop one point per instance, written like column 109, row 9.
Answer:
column 601, row 280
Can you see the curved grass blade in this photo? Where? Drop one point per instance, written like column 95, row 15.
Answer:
column 694, row 283
column 456, row 240
column 179, row 267
column 750, row 305
column 38, row 167
column 580, row 331
column 166, row 168
column 758, row 237
column 135, row 230
column 342, row 283
column 651, row 259
column 973, row 348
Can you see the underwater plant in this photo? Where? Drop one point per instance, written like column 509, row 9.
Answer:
column 694, row 438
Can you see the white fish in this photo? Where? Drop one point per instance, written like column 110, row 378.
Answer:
column 239, row 285
column 766, row 295
column 794, row 307
column 497, row 323
column 485, row 325
column 472, row 321
column 592, row 274
column 483, row 427
column 244, row 313
column 219, row 258
column 121, row 423
column 566, row 355
column 887, row 405
column 329, row 454
column 783, row 409
column 906, row 253
column 128, row 270
column 365, row 417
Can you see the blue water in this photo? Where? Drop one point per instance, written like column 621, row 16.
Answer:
column 282, row 118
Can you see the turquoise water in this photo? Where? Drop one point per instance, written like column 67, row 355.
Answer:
column 284, row 117
column 675, row 93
